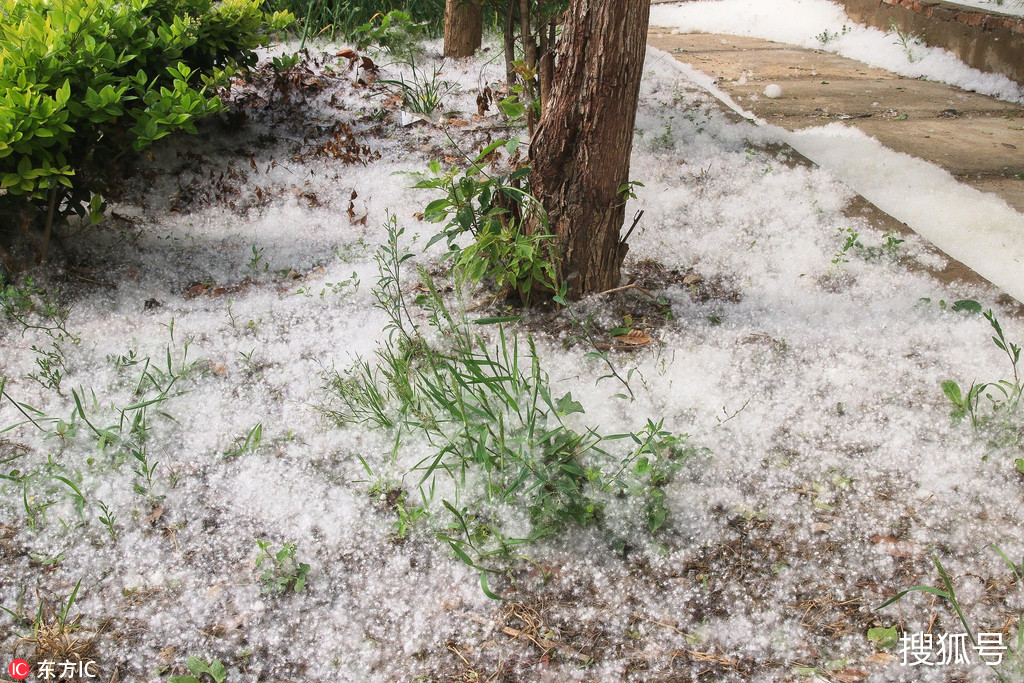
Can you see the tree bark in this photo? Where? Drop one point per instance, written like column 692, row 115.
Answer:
column 463, row 27
column 546, row 67
column 581, row 150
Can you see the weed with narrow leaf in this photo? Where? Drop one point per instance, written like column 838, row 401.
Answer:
column 498, row 436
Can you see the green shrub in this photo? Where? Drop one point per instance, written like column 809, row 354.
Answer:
column 495, row 210
column 83, row 80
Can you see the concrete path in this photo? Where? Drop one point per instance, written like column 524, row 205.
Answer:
column 978, row 139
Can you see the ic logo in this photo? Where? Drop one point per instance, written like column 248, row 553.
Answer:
column 18, row 669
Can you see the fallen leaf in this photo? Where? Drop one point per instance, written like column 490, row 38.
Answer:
column 848, row 675
column 157, row 512
column 880, row 659
column 196, row 290
column 634, row 338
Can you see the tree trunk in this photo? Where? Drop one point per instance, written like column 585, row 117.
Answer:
column 581, row 150
column 463, row 27
column 546, row 67
column 510, row 48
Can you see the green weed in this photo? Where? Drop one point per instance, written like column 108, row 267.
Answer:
column 249, row 444
column 826, row 36
column 852, row 244
column 281, row 572
column 32, row 308
column 108, row 520
column 498, row 435
column 1002, row 423
column 214, row 669
column 1011, row 659
column 494, row 209
column 908, row 40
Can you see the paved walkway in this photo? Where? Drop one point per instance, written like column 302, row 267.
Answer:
column 978, row 139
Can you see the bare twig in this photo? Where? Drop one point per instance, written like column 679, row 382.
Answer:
column 631, row 285
column 636, row 220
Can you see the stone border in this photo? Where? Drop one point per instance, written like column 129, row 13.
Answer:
column 986, row 40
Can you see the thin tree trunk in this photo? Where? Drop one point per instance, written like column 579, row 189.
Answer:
column 52, row 204
column 463, row 27
column 581, row 150
column 546, row 68
column 529, row 59
column 510, row 48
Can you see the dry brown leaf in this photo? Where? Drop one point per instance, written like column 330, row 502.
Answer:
column 634, row 338
column 157, row 512
column 848, row 675
column 880, row 658
column 692, row 279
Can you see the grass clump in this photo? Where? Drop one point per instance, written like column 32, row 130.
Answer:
column 499, row 439
column 998, row 416
column 56, row 636
column 344, row 18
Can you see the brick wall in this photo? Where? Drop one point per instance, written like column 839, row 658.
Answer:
column 983, row 39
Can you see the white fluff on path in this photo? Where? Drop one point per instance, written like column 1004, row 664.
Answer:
column 820, row 24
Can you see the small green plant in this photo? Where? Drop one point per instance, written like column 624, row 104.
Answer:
column 884, row 638
column 249, row 444
column 851, row 241
column 908, row 40
column 1003, row 423
column 948, row 594
column 34, row 309
column 334, row 287
column 424, row 91
column 281, row 572
column 1011, row 659
column 408, row 515
column 499, row 435
column 285, row 62
column 891, row 245
column 665, row 142
column 214, row 669
column 852, row 244
column 826, row 36
column 256, row 263
column 108, row 519
column 495, row 210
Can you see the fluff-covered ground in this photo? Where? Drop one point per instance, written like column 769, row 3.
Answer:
column 825, row 471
